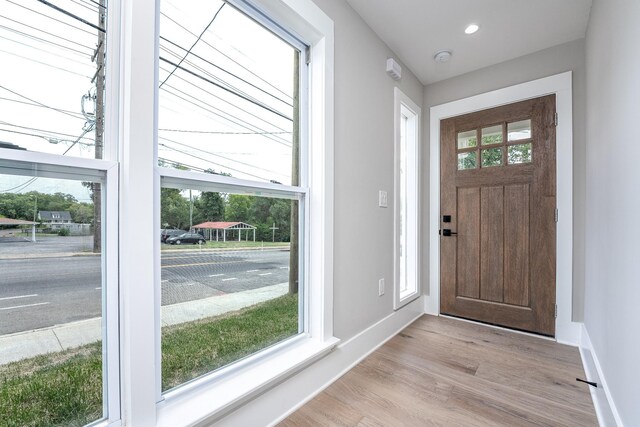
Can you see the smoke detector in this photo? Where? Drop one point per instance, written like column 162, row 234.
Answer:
column 442, row 56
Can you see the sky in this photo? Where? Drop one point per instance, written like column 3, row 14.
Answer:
column 226, row 107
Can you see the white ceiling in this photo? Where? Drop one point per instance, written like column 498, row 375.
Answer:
column 416, row 29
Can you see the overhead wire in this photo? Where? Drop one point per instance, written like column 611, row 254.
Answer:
column 211, row 162
column 213, row 132
column 225, row 70
column 72, row 15
column 218, row 155
column 217, row 112
column 17, row 187
column 44, row 63
column 194, row 44
column 40, row 103
column 41, row 130
column 229, row 103
column 194, row 74
column 208, row 73
column 51, row 18
column 226, row 56
column 32, row 37
column 47, row 32
column 33, row 104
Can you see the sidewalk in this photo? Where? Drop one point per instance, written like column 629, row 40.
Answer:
column 69, row 335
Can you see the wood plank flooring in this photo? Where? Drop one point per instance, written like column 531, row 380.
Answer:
column 446, row 372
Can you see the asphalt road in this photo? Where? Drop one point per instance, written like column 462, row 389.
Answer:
column 41, row 292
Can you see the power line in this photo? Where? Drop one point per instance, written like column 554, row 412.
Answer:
column 224, row 70
column 216, row 111
column 43, row 63
column 31, row 36
column 33, row 104
column 208, row 73
column 52, row 18
column 211, row 162
column 229, row 103
column 42, row 130
column 40, row 103
column 39, row 136
column 72, row 15
column 211, row 132
column 86, row 6
column 218, row 155
column 24, row 185
column 46, row 32
column 225, row 55
column 259, row 104
column 193, row 45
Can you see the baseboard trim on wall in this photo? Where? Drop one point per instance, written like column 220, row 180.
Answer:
column 603, row 403
column 281, row 401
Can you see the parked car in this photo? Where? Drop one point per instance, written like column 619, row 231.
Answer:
column 186, row 238
column 170, row 232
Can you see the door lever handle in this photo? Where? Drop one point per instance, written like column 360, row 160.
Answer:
column 448, row 232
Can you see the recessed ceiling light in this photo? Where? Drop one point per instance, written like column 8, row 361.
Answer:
column 472, row 28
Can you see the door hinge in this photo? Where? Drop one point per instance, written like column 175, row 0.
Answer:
column 555, row 119
column 307, row 55
column 555, row 313
column 555, row 215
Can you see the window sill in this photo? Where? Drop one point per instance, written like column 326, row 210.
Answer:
column 214, row 397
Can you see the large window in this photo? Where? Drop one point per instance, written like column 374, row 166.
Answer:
column 407, row 196
column 58, row 217
column 231, row 198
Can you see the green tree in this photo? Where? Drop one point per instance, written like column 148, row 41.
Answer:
column 238, row 208
column 209, row 206
column 174, row 209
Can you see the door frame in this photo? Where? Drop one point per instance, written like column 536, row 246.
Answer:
column 567, row 331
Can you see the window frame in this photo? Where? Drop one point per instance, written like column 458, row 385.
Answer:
column 47, row 165
column 139, row 201
column 410, row 215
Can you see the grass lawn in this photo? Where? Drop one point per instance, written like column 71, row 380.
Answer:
column 225, row 245
column 65, row 389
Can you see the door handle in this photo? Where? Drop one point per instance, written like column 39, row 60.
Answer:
column 448, row 232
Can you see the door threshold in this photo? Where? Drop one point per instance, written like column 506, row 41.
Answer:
column 503, row 328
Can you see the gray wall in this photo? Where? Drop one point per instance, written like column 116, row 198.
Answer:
column 558, row 59
column 363, row 165
column 612, row 293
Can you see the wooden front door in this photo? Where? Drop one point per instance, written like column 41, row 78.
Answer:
column 498, row 205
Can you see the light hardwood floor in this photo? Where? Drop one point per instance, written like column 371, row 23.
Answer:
column 446, row 372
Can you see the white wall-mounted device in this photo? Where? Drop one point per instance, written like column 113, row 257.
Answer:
column 394, row 69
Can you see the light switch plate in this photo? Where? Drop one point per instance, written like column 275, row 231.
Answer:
column 382, row 199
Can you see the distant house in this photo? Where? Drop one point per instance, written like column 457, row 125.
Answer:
column 54, row 217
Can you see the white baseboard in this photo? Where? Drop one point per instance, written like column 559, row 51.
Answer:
column 605, row 407
column 281, row 401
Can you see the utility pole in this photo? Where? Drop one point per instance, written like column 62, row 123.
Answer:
column 295, row 176
column 190, row 212
column 99, row 78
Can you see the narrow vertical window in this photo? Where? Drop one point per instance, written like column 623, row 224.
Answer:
column 407, row 157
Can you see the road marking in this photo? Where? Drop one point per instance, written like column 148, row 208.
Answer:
column 98, row 288
column 264, row 274
column 19, row 296
column 201, row 263
column 23, row 306
column 251, row 271
column 282, row 268
column 165, row 280
column 216, row 275
column 230, row 278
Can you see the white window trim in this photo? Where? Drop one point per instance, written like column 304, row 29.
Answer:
column 412, row 251
column 567, row 331
column 140, row 180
